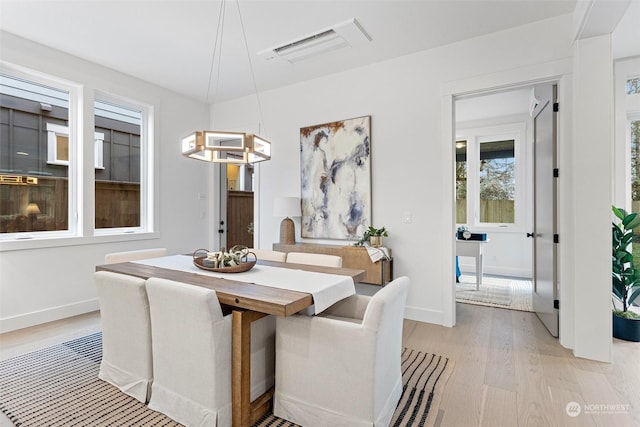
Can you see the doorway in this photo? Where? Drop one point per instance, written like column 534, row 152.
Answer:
column 236, row 226
column 495, row 196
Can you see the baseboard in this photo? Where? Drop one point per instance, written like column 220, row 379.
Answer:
column 21, row 321
column 422, row 315
column 497, row 271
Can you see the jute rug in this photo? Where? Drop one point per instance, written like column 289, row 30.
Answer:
column 59, row 386
column 511, row 293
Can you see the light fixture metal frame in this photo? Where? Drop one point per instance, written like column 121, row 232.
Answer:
column 252, row 149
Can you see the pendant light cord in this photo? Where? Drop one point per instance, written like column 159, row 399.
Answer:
column 253, row 76
column 217, row 51
column 217, row 41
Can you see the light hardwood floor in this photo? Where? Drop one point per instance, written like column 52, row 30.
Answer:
column 508, row 370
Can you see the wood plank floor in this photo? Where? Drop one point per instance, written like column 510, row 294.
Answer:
column 508, row 370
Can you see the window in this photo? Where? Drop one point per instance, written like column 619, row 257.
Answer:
column 633, row 130
column 58, row 146
column 633, row 138
column 34, row 194
column 633, row 86
column 118, row 192
column 489, row 162
column 461, row 182
column 40, row 187
column 497, row 181
column 627, row 137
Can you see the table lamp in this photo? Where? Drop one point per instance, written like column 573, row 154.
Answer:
column 287, row 207
column 33, row 210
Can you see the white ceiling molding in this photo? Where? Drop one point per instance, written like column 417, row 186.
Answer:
column 598, row 17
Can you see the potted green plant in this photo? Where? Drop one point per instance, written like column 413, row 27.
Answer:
column 373, row 236
column 625, row 275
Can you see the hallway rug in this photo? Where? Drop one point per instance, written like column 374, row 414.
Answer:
column 496, row 291
column 59, row 386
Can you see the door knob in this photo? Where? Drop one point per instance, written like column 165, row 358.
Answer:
column 531, row 235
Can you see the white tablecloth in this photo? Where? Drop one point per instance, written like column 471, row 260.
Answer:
column 327, row 289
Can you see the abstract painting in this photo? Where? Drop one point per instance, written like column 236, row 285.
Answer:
column 335, row 163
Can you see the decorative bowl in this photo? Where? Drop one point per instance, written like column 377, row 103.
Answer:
column 245, row 264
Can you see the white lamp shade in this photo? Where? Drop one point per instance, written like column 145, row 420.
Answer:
column 287, row 207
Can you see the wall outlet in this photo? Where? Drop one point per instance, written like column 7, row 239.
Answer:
column 407, row 217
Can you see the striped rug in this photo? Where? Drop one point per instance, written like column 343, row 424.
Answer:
column 59, row 386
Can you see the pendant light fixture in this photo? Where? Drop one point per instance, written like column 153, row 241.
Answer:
column 223, row 146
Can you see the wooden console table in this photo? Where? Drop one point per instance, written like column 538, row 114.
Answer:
column 356, row 257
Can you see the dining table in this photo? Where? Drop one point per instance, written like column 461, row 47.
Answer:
column 269, row 288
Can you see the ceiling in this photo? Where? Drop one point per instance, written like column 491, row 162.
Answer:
column 170, row 43
column 506, row 103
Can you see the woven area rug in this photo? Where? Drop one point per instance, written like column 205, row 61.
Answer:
column 501, row 292
column 59, row 386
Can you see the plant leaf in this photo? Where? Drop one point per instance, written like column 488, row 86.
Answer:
column 620, row 213
column 633, row 223
column 628, row 219
column 634, row 295
column 617, row 292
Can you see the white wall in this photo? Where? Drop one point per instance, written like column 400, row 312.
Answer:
column 593, row 196
column 55, row 281
column 410, row 101
column 412, row 165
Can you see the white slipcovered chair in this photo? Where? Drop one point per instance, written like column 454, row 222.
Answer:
column 268, row 255
column 126, row 333
column 343, row 367
column 136, row 255
column 192, row 355
column 314, row 259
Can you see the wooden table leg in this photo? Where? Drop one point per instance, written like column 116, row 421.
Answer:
column 242, row 413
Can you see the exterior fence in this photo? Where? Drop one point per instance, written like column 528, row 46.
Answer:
column 491, row 211
column 117, row 205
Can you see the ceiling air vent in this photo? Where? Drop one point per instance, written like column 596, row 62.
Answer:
column 345, row 34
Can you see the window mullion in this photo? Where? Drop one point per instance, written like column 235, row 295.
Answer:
column 473, row 183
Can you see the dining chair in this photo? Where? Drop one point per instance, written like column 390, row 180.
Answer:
column 136, row 255
column 268, row 255
column 126, row 333
column 314, row 259
column 191, row 342
column 342, row 367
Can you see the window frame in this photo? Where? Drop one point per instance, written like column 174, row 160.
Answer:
column 627, row 109
column 75, row 93
column 147, row 165
column 81, row 184
column 475, row 136
column 54, row 130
